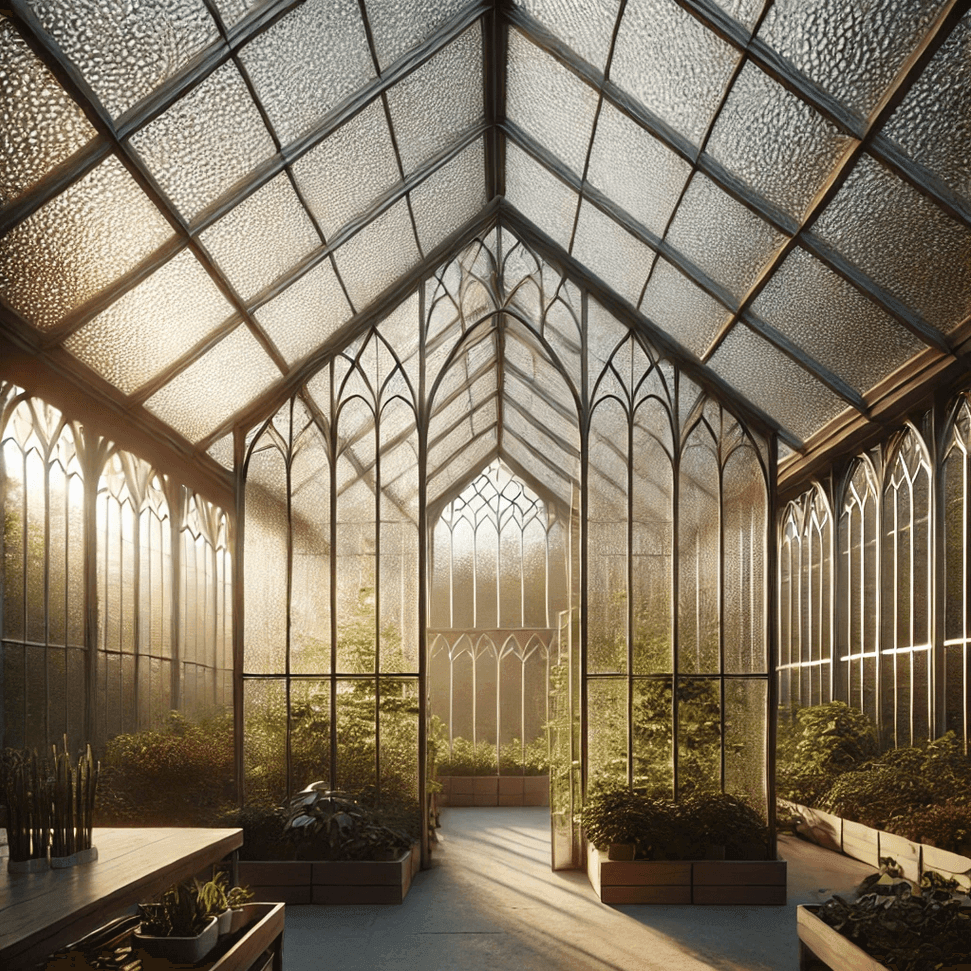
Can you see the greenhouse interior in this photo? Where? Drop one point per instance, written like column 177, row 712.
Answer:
column 397, row 393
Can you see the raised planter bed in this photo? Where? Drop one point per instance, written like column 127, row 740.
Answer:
column 686, row 881
column 494, row 790
column 818, row 942
column 331, row 882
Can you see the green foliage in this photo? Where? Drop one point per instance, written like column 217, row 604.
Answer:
column 213, row 894
column 875, row 795
column 535, row 761
column 721, row 818
column 946, row 826
column 468, row 759
column 621, row 815
column 903, row 926
column 179, row 913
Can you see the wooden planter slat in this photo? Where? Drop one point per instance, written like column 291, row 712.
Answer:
column 492, row 790
column 739, row 873
column 646, row 895
column 671, row 873
column 277, row 873
column 949, row 865
column 861, row 843
column 906, row 854
column 834, row 950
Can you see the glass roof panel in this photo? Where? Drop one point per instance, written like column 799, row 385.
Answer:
column 79, row 243
column 401, row 329
column 933, row 122
column 853, row 51
column 348, row 171
column 543, row 416
column 682, row 309
column 451, row 196
column 152, row 325
column 903, row 241
column 635, row 170
column 223, row 451
column 206, row 142
column 774, row 142
column 558, row 481
column 41, row 125
column 609, row 251
column 746, row 12
column 539, row 195
column 325, row 50
column 727, row 241
column 604, row 333
column 397, row 26
column 586, row 28
column 225, row 379
column 833, row 322
column 304, row 315
column 548, row 102
column 433, row 105
column 263, row 237
column 673, row 65
column 453, row 472
column 774, row 382
column 125, row 51
column 379, row 254
column 233, row 11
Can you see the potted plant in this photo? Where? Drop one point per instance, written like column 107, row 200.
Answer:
column 72, row 793
column 237, row 898
column 214, row 901
column 724, row 826
column 176, row 928
column 27, row 797
column 627, row 824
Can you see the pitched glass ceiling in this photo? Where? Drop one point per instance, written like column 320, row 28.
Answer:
column 201, row 199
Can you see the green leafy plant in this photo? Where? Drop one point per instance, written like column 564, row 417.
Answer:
column 28, row 799
column 213, row 894
column 946, row 826
column 621, row 815
column 468, row 759
column 875, row 795
column 237, row 897
column 73, row 791
column 531, row 759
column 723, row 819
column 178, row 913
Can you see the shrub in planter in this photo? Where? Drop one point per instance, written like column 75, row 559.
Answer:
column 468, row 759
column 719, row 818
column 534, row 759
column 621, row 816
column 875, row 795
column 176, row 928
column 946, row 826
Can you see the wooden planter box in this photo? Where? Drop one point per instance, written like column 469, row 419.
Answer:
column 494, row 790
column 686, row 881
column 332, row 882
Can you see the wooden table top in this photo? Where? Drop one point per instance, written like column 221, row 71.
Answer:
column 40, row 912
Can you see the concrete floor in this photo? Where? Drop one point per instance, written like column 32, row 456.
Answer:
column 491, row 902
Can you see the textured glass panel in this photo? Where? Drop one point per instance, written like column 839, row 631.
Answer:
column 652, row 733
column 400, row 25
column 604, row 333
column 726, row 240
column 607, row 737
column 635, row 170
column 672, row 64
column 622, row 261
column 933, row 122
column 264, row 742
column 219, row 383
column 152, row 325
column 585, row 27
column 223, row 451
column 746, row 715
column 551, row 104
column 852, row 50
column 262, row 238
column 348, row 171
column 903, row 241
column 306, row 313
column 450, row 197
column 774, row 142
column 539, row 195
column 439, row 101
column 699, row 741
column 127, row 50
column 323, row 45
column 206, row 142
column 398, row 745
column 41, row 125
column 774, row 382
column 833, row 322
column 746, row 12
column 233, row 11
column 379, row 254
column 681, row 309
column 80, row 242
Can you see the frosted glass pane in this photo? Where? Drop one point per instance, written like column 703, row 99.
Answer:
column 834, row 322
column 79, row 243
column 539, row 195
column 262, row 238
column 681, row 309
column 400, row 25
column 585, row 27
column 903, row 241
column 622, row 261
column 775, row 383
column 233, row 11
column 551, row 104
column 323, row 45
column 41, row 125
column 933, row 123
column 346, row 173
column 223, row 451
column 222, row 381
column 302, row 317
column 672, row 64
column 206, row 142
column 152, row 325
column 729, row 242
column 127, row 50
column 635, row 170
column 443, row 98
column 774, row 142
column 450, row 197
column 378, row 255
column 746, row 12
column 852, row 51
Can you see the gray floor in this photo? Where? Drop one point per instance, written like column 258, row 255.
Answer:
column 491, row 902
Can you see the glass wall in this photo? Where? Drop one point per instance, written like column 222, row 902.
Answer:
column 869, row 613
column 116, row 586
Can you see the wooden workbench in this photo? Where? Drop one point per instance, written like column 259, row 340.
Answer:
column 40, row 912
